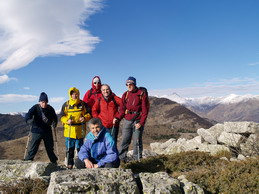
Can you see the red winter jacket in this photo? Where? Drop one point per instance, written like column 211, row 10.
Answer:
column 134, row 106
column 93, row 94
column 107, row 110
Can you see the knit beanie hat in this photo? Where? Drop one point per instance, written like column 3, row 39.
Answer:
column 131, row 80
column 43, row 97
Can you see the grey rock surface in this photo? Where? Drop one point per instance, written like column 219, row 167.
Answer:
column 93, row 181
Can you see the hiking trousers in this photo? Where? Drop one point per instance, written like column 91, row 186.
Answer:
column 35, row 143
column 128, row 132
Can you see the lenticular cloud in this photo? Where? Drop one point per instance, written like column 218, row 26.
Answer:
column 32, row 28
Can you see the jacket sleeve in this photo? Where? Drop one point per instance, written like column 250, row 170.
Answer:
column 87, row 113
column 96, row 109
column 122, row 108
column 119, row 103
column 29, row 115
column 84, row 152
column 86, row 96
column 111, row 152
column 54, row 116
column 144, row 111
column 63, row 114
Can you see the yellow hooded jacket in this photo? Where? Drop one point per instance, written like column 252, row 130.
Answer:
column 74, row 109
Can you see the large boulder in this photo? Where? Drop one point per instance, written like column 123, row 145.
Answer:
column 193, row 144
column 231, row 139
column 99, row 180
column 159, row 182
column 207, row 136
column 213, row 149
column 189, row 187
column 18, row 169
column 251, row 146
column 160, row 147
column 241, row 127
column 216, row 130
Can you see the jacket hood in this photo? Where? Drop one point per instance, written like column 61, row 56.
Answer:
column 71, row 100
column 98, row 88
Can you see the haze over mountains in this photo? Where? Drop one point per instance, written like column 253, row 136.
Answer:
column 229, row 108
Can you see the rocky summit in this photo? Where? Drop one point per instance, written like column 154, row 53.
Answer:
column 99, row 180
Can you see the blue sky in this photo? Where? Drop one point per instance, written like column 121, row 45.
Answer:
column 192, row 47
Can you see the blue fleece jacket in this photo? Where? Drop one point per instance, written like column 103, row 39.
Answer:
column 101, row 149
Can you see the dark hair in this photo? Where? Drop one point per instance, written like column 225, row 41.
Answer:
column 95, row 121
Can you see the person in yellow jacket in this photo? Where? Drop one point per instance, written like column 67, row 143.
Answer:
column 74, row 115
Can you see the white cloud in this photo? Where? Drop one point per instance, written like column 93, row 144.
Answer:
column 253, row 64
column 26, row 88
column 32, row 28
column 15, row 98
column 5, row 78
column 220, row 88
column 57, row 100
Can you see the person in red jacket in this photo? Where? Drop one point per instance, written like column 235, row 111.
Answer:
column 135, row 111
column 94, row 93
column 106, row 109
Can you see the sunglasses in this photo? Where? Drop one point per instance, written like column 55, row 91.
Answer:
column 129, row 84
column 96, row 82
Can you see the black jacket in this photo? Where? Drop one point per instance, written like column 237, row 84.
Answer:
column 34, row 117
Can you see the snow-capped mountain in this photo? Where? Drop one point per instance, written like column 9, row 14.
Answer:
column 228, row 108
column 18, row 113
column 210, row 101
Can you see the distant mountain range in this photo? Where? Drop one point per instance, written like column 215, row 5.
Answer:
column 166, row 118
column 229, row 108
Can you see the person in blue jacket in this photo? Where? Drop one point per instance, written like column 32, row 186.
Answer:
column 99, row 149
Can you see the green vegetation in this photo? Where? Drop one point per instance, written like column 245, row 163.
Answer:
column 213, row 174
column 28, row 186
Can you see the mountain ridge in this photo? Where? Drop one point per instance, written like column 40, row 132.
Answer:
column 229, row 108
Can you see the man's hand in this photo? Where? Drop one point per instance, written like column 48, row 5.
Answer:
column 115, row 120
column 88, row 163
column 82, row 119
column 30, row 121
column 54, row 124
column 137, row 125
column 96, row 166
column 69, row 121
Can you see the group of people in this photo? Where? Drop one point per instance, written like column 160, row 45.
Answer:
column 101, row 112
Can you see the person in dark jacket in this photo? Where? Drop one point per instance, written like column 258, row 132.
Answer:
column 41, row 117
column 99, row 150
column 135, row 111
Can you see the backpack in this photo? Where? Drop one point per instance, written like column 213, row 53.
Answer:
column 144, row 91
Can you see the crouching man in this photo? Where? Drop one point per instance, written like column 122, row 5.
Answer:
column 99, row 149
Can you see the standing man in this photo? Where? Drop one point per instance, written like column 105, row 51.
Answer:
column 106, row 108
column 74, row 115
column 41, row 117
column 94, row 93
column 135, row 111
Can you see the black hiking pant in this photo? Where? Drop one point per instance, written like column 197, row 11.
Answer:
column 35, row 143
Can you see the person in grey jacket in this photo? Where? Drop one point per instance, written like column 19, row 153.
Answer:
column 41, row 117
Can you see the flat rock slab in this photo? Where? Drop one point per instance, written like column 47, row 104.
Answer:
column 100, row 180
